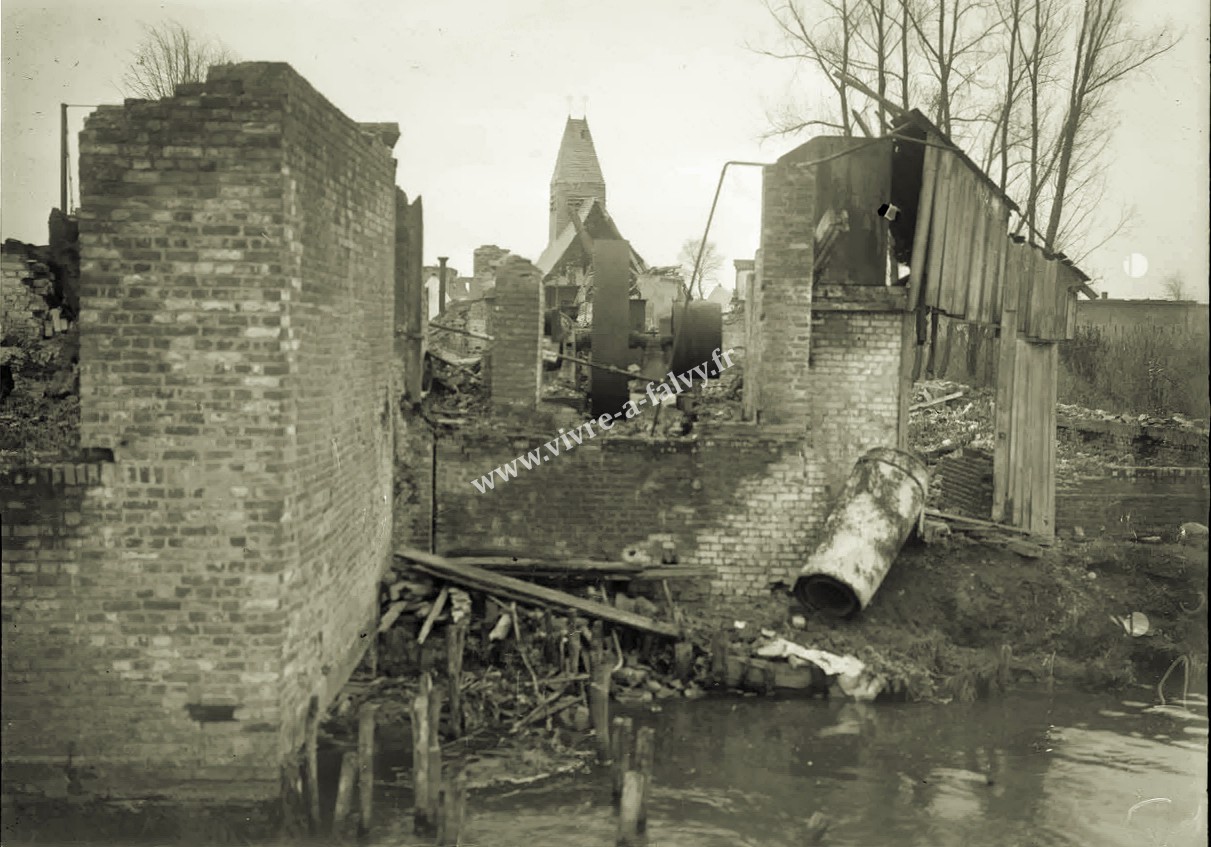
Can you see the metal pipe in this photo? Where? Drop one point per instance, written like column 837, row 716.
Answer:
column 63, row 159
column 441, row 284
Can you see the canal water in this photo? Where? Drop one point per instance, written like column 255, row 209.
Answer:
column 1068, row 770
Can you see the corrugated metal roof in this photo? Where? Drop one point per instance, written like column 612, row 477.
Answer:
column 577, row 160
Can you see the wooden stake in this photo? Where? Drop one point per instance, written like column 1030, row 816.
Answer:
column 311, row 767
column 456, row 640
column 344, row 793
column 453, row 811
column 599, row 693
column 435, row 752
column 645, row 749
column 621, row 754
column 365, row 765
column 422, row 821
column 434, row 611
column 719, row 657
column 629, row 834
column 683, row 660
column 573, row 646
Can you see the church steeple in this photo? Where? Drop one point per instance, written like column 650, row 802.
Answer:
column 577, row 175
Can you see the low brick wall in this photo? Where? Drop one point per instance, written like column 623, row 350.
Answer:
column 1131, row 501
column 1123, row 502
column 1135, row 443
column 743, row 501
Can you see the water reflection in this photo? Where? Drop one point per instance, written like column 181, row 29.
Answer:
column 1037, row 771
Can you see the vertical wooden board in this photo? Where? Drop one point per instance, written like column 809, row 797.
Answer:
column 1043, row 312
column 1021, row 425
column 1002, row 500
column 917, row 278
column 937, row 231
column 979, row 273
column 971, row 204
column 1059, row 318
column 1025, row 286
column 1042, row 464
column 1004, row 288
column 1000, row 245
column 1017, row 436
column 1053, row 365
column 1070, row 315
column 994, row 237
column 954, row 229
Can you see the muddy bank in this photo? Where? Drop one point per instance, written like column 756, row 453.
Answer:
column 955, row 621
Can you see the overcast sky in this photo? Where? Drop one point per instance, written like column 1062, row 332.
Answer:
column 481, row 89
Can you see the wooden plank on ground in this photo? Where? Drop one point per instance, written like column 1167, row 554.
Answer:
column 479, row 579
column 547, row 566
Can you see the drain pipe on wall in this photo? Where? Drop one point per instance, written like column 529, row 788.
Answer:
column 433, row 489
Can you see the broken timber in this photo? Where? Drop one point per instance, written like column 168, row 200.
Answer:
column 577, row 568
column 479, row 579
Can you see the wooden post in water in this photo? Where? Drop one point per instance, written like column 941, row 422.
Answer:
column 311, row 767
column 456, row 639
column 344, row 794
column 453, row 811
column 365, row 765
column 683, row 660
column 628, row 811
column 435, row 752
column 719, row 657
column 645, row 751
column 621, row 755
column 422, row 820
column 599, row 692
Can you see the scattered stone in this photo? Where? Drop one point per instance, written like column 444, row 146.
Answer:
column 1024, row 549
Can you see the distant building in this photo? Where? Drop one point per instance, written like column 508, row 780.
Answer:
column 746, row 272
column 578, row 197
column 1115, row 317
column 722, row 296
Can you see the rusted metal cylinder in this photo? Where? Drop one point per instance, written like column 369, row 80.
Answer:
column 882, row 500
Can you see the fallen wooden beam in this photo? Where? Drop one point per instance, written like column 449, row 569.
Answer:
column 554, row 566
column 936, row 402
column 480, row 579
column 974, row 522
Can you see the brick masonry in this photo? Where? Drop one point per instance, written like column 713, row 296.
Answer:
column 740, row 500
column 168, row 615
column 1121, row 501
column 515, row 320
column 965, row 483
column 25, row 286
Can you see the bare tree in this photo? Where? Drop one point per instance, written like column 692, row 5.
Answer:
column 994, row 76
column 708, row 268
column 168, row 55
column 1107, row 50
column 1173, row 285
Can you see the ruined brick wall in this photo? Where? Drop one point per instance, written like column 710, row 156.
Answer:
column 340, row 208
column 236, row 340
column 741, row 501
column 515, row 323
column 24, row 288
column 1135, row 444
column 854, row 383
column 782, row 319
